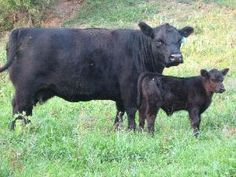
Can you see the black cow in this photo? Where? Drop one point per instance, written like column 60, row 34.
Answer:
column 193, row 94
column 88, row 64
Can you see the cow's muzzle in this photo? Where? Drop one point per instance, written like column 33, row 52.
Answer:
column 176, row 58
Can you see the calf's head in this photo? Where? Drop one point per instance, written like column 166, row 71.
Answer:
column 166, row 42
column 213, row 80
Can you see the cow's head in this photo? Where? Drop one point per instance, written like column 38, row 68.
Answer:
column 213, row 80
column 166, row 42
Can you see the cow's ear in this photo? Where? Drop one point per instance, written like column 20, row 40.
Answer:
column 186, row 31
column 225, row 71
column 204, row 73
column 147, row 30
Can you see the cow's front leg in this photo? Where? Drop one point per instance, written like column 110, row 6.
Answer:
column 195, row 119
column 128, row 92
column 119, row 115
column 131, row 118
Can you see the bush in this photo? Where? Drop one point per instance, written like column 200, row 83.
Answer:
column 22, row 11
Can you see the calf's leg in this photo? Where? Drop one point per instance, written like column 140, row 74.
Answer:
column 141, row 120
column 151, row 116
column 142, row 114
column 195, row 120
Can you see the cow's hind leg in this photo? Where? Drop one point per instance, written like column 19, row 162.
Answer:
column 22, row 107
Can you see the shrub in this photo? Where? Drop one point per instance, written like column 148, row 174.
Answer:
column 22, row 11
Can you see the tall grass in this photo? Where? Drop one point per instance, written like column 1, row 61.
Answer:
column 78, row 139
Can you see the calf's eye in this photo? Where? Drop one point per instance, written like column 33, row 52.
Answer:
column 213, row 80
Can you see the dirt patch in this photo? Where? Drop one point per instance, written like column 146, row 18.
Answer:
column 229, row 131
column 62, row 10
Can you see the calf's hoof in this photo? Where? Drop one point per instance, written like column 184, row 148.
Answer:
column 140, row 130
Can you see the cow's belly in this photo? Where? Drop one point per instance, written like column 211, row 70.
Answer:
column 84, row 89
column 74, row 95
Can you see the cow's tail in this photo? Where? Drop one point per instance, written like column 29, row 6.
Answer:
column 139, row 88
column 11, row 50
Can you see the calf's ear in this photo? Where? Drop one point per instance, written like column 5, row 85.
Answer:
column 225, row 71
column 186, row 31
column 204, row 73
column 146, row 29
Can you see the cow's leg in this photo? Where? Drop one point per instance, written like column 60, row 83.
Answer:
column 22, row 104
column 128, row 93
column 119, row 114
column 195, row 120
column 131, row 117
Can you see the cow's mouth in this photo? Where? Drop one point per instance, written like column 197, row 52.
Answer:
column 220, row 90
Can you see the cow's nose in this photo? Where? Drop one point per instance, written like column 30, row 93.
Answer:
column 177, row 57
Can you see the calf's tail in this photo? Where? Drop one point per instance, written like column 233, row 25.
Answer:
column 143, row 75
column 11, row 50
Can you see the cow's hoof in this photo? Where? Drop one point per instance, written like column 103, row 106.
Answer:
column 12, row 125
column 196, row 134
column 26, row 121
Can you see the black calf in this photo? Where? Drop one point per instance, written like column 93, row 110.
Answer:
column 192, row 94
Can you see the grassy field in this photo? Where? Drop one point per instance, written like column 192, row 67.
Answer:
column 78, row 139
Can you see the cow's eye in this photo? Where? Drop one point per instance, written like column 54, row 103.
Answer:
column 159, row 43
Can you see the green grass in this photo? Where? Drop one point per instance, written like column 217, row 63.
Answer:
column 111, row 13
column 227, row 3
column 78, row 139
column 223, row 3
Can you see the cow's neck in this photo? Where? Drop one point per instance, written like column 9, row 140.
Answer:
column 149, row 61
